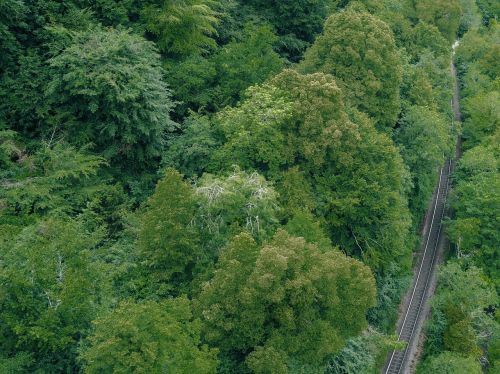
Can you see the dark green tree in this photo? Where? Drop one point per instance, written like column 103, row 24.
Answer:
column 107, row 89
column 296, row 22
column 182, row 27
column 244, row 63
column 210, row 83
column 12, row 13
column 191, row 151
column 490, row 10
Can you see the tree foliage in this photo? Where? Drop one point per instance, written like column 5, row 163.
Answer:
column 167, row 242
column 182, row 27
column 458, row 322
column 50, row 292
column 238, row 201
column 296, row 22
column 107, row 88
column 284, row 300
column 149, row 337
column 210, row 83
column 300, row 121
column 57, row 177
column 476, row 202
column 445, row 14
column 359, row 50
column 426, row 142
column 362, row 355
column 105, row 247
column 448, row 362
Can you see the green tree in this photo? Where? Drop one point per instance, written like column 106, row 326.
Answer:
column 168, row 245
column 296, row 194
column 436, row 69
column 284, row 300
column 191, row 151
column 360, row 51
column 148, row 337
column 300, row 121
column 107, row 88
column 112, row 13
column 303, row 224
column 194, row 79
column 460, row 337
column 363, row 354
column 458, row 309
column 426, row 140
column 471, row 17
column 9, row 151
column 212, row 82
column 465, row 289
column 490, row 10
column 296, row 22
column 234, row 202
column 482, row 117
column 474, row 46
column 475, row 201
column 182, row 27
column 12, row 13
column 450, row 363
column 427, row 36
column 51, row 290
column 418, row 89
column 445, row 14
column 244, row 63
column 398, row 14
column 55, row 177
column 23, row 104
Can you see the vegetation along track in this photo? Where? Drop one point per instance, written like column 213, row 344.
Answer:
column 408, row 330
column 409, row 324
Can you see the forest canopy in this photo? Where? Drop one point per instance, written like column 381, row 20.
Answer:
column 238, row 186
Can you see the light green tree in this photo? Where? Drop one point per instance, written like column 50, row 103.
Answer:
column 51, row 290
column 359, row 50
column 148, row 337
column 450, row 363
column 168, row 245
column 426, row 140
column 283, row 300
column 482, row 117
column 475, row 200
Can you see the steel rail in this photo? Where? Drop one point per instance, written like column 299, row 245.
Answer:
column 425, row 272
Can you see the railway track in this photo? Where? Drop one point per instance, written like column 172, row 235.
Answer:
column 410, row 325
column 409, row 328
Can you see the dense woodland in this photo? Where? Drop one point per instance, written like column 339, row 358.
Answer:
column 238, row 186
